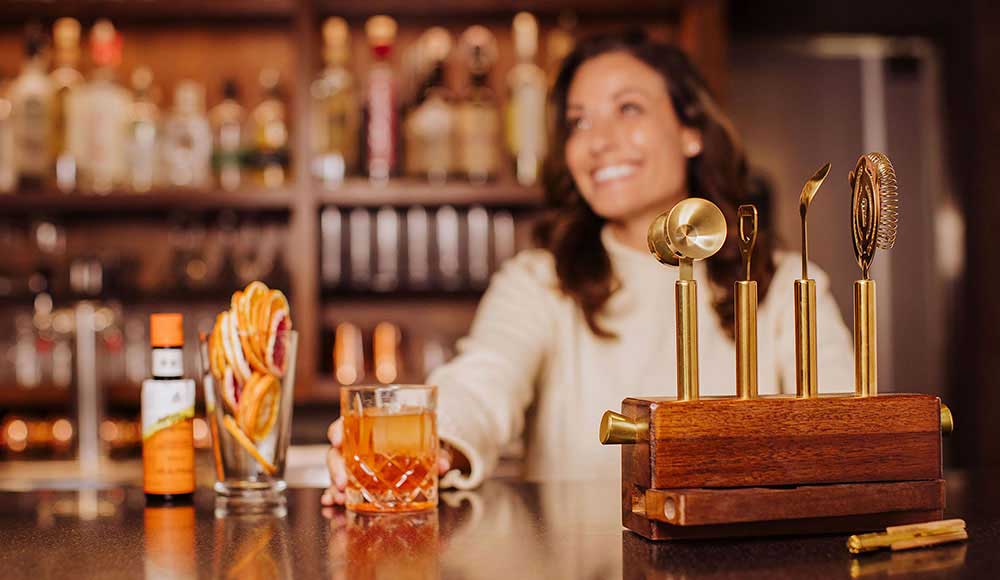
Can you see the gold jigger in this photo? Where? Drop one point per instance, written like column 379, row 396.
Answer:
column 806, row 382
column 694, row 229
column 874, row 218
column 746, row 308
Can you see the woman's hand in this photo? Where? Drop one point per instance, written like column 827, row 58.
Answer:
column 334, row 495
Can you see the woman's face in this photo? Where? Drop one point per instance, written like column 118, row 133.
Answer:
column 626, row 148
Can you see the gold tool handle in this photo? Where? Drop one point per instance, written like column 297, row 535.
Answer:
column 686, row 297
column 909, row 536
column 746, row 339
column 806, row 383
column 865, row 343
column 617, row 429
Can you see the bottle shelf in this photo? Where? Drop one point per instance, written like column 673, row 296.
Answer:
column 150, row 11
column 14, row 398
column 221, row 295
column 156, row 201
column 408, row 192
column 485, row 9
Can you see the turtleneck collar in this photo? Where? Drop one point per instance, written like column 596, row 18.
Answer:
column 624, row 256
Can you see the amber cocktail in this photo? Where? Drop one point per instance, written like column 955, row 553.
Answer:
column 390, row 447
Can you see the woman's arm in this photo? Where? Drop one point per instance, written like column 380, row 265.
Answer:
column 484, row 391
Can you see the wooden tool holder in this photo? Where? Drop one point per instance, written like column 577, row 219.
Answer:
column 723, row 467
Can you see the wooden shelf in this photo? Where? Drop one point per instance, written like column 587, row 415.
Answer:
column 177, row 296
column 407, row 192
column 484, row 9
column 157, row 201
column 291, row 30
column 49, row 397
column 150, row 11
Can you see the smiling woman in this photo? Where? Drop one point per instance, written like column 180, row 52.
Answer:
column 641, row 133
column 585, row 320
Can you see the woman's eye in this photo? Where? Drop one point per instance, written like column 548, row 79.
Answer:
column 576, row 123
column 630, row 108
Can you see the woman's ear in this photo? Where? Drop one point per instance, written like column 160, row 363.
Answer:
column 691, row 142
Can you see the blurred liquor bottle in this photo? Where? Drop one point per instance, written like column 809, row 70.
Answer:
column 526, row 103
column 227, row 119
column 380, row 101
column 98, row 116
column 386, row 352
column 65, row 78
column 8, row 163
column 429, row 124
column 144, row 134
column 335, row 137
column 269, row 130
column 478, row 114
column 559, row 42
column 187, row 138
column 31, row 95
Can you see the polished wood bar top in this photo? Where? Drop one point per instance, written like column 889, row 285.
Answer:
column 506, row 529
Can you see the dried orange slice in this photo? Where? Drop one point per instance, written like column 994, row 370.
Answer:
column 230, row 390
column 247, row 444
column 258, row 411
column 279, row 334
column 216, row 353
column 234, row 348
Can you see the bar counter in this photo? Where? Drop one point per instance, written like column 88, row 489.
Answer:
column 506, row 529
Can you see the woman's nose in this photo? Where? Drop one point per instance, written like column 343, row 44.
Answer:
column 601, row 138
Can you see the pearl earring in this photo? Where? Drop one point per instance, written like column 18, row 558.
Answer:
column 693, row 148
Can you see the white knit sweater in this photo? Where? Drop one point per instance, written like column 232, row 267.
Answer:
column 531, row 365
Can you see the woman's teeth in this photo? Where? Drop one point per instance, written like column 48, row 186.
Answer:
column 613, row 172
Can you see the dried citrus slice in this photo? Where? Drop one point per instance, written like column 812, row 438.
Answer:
column 234, row 349
column 216, row 353
column 258, row 410
column 244, row 306
column 278, row 339
column 247, row 444
column 231, row 390
column 279, row 326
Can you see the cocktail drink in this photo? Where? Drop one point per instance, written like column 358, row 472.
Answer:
column 390, row 447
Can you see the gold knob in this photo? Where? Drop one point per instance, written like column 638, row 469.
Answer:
column 947, row 422
column 617, row 429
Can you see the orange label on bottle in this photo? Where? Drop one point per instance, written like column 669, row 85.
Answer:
column 168, row 459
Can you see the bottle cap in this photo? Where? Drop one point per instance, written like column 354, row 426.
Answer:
column 480, row 47
column 381, row 31
column 66, row 33
column 105, row 44
column 525, row 36
column 166, row 330
column 336, row 41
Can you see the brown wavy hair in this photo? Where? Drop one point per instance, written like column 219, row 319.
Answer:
column 571, row 230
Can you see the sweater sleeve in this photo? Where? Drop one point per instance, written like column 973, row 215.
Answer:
column 484, row 391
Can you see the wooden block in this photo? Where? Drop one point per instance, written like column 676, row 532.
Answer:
column 654, row 530
column 699, row 507
column 783, row 441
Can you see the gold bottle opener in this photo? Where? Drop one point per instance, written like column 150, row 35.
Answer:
column 746, row 308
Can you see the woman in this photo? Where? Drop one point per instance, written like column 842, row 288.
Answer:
column 568, row 330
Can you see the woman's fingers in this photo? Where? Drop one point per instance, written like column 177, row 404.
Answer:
column 332, row 496
column 335, row 433
column 338, row 471
column 444, row 460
